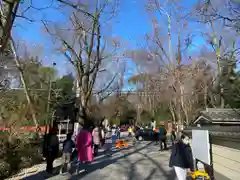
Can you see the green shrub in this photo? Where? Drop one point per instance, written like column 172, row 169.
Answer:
column 4, row 169
column 16, row 154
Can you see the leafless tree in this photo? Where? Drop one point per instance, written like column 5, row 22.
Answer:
column 169, row 81
column 211, row 11
column 83, row 45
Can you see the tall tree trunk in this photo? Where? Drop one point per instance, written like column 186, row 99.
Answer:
column 8, row 12
column 205, row 96
column 171, row 108
column 183, row 105
column 169, row 38
column 26, row 91
column 217, row 46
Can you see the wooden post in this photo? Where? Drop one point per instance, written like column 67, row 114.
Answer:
column 211, row 171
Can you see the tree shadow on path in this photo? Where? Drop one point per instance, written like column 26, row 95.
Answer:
column 107, row 162
column 102, row 162
column 155, row 172
column 99, row 163
column 168, row 175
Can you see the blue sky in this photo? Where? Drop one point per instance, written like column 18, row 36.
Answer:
column 130, row 24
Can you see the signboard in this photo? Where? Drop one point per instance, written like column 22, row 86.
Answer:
column 201, row 146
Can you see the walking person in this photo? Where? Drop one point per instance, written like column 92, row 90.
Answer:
column 109, row 132
column 84, row 147
column 110, row 141
column 173, row 136
column 118, row 132
column 103, row 134
column 114, row 135
column 156, row 136
column 51, row 148
column 108, row 145
column 97, row 138
column 134, row 136
column 130, row 131
column 162, row 138
column 181, row 158
column 68, row 146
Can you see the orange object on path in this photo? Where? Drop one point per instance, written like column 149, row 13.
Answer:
column 121, row 143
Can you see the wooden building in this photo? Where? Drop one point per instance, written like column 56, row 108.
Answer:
column 219, row 119
column 223, row 125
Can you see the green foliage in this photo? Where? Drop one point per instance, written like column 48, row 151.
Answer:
column 36, row 75
column 230, row 80
column 65, row 84
column 16, row 154
column 162, row 113
column 232, row 92
column 62, row 98
column 38, row 78
column 115, row 121
column 126, row 112
column 146, row 117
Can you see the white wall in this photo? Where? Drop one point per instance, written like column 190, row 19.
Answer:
column 226, row 161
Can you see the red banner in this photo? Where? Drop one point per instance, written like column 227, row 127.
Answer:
column 26, row 128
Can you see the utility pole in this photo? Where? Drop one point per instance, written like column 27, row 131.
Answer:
column 49, row 100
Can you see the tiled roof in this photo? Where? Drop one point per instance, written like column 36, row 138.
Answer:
column 222, row 115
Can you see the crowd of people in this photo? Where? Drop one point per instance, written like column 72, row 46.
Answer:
column 85, row 146
column 87, row 143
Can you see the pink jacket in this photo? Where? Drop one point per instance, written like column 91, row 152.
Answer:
column 84, row 146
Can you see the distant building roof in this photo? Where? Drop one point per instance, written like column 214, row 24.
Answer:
column 219, row 116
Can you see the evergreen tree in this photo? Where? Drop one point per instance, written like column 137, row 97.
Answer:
column 230, row 79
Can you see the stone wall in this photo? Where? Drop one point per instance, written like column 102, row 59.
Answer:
column 226, row 161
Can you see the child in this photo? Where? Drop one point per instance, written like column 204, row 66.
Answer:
column 68, row 146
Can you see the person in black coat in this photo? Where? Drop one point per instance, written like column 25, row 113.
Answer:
column 162, row 138
column 181, row 158
column 50, row 148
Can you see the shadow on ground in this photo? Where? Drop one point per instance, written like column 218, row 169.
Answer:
column 104, row 161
